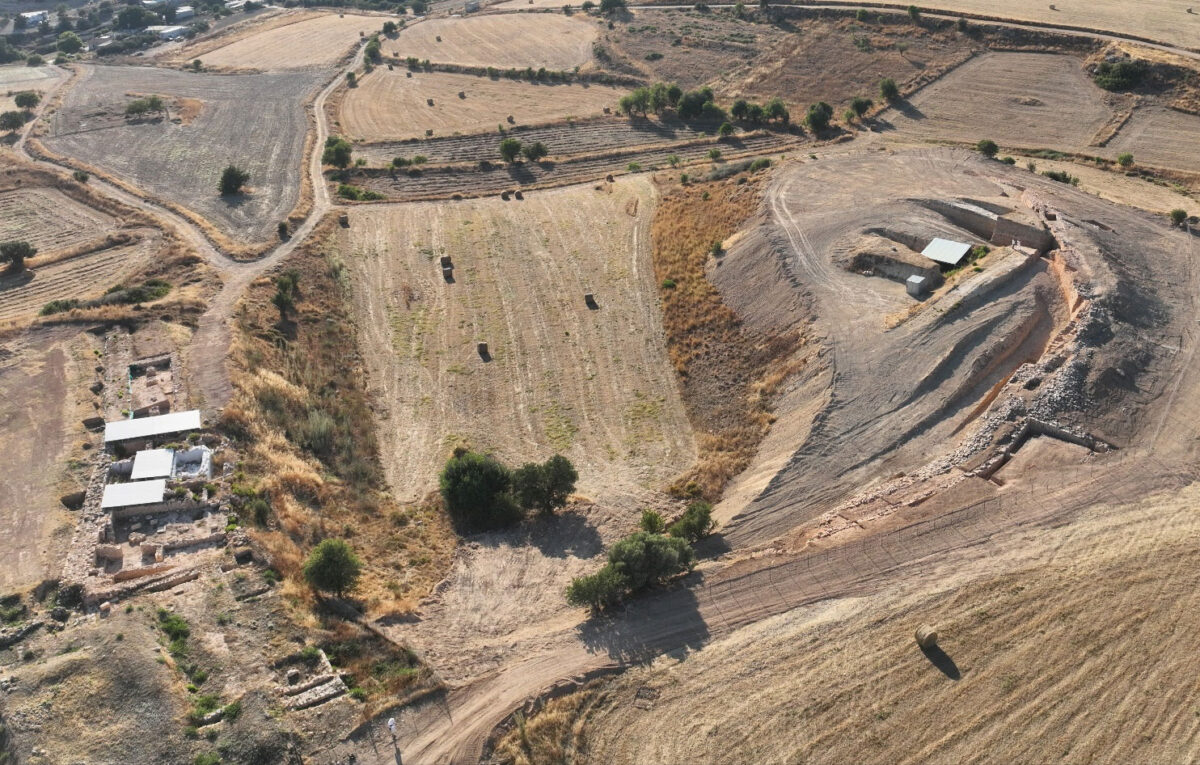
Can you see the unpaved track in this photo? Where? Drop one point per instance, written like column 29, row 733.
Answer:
column 209, row 349
column 716, row 604
column 963, row 531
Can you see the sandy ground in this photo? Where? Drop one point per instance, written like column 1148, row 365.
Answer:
column 38, row 372
column 592, row 384
column 300, row 41
column 392, row 106
column 553, row 41
column 1015, row 99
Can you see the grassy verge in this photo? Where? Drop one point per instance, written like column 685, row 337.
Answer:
column 727, row 373
column 311, row 467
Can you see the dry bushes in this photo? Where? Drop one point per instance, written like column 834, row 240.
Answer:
column 302, row 413
column 553, row 735
column 727, row 373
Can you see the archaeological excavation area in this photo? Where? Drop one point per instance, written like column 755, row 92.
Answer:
column 512, row 383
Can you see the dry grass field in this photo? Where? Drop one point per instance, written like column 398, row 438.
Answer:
column 1030, row 100
column 1168, row 21
column 592, row 384
column 390, row 106
column 1161, row 138
column 505, row 41
column 1069, row 647
column 266, row 139
column 15, row 78
column 292, row 41
column 1115, row 186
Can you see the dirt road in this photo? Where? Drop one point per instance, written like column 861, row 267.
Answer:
column 207, row 353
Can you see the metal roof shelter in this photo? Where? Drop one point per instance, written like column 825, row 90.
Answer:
column 144, row 427
column 134, row 493
column 946, row 251
column 153, row 463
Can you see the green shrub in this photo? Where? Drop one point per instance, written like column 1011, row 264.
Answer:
column 987, row 148
column 597, row 591
column 818, row 116
column 477, row 490
column 762, row 163
column 547, row 486
column 1121, row 75
column 1125, row 159
column 233, row 178
column 888, row 90
column 1062, row 176
column 695, row 523
column 668, row 284
column 652, row 522
column 1178, row 216
column 644, row 559
column 61, row 305
column 232, row 711
column 173, row 625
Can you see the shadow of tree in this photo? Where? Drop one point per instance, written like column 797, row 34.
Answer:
column 657, row 622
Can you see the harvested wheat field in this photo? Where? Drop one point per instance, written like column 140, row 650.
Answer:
column 1031, row 100
column 390, row 106
column 1115, row 186
column 1176, row 22
column 299, row 41
column 50, row 220
column 181, row 163
column 1160, row 137
column 81, row 278
column 593, row 384
column 505, row 41
column 1042, row 656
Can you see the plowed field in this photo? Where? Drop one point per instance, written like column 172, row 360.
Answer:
column 593, row 384
column 390, row 106
column 84, row 277
column 310, row 42
column 554, row 41
column 1030, row 100
column 255, row 121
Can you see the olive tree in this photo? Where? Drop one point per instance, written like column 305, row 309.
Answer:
column 333, row 567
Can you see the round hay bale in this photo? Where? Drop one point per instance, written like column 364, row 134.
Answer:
column 927, row 636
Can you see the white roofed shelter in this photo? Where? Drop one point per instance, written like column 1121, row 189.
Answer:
column 147, row 427
column 153, row 463
column 946, row 251
column 118, row 495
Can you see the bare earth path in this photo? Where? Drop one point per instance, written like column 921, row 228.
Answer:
column 718, row 600
column 208, row 352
